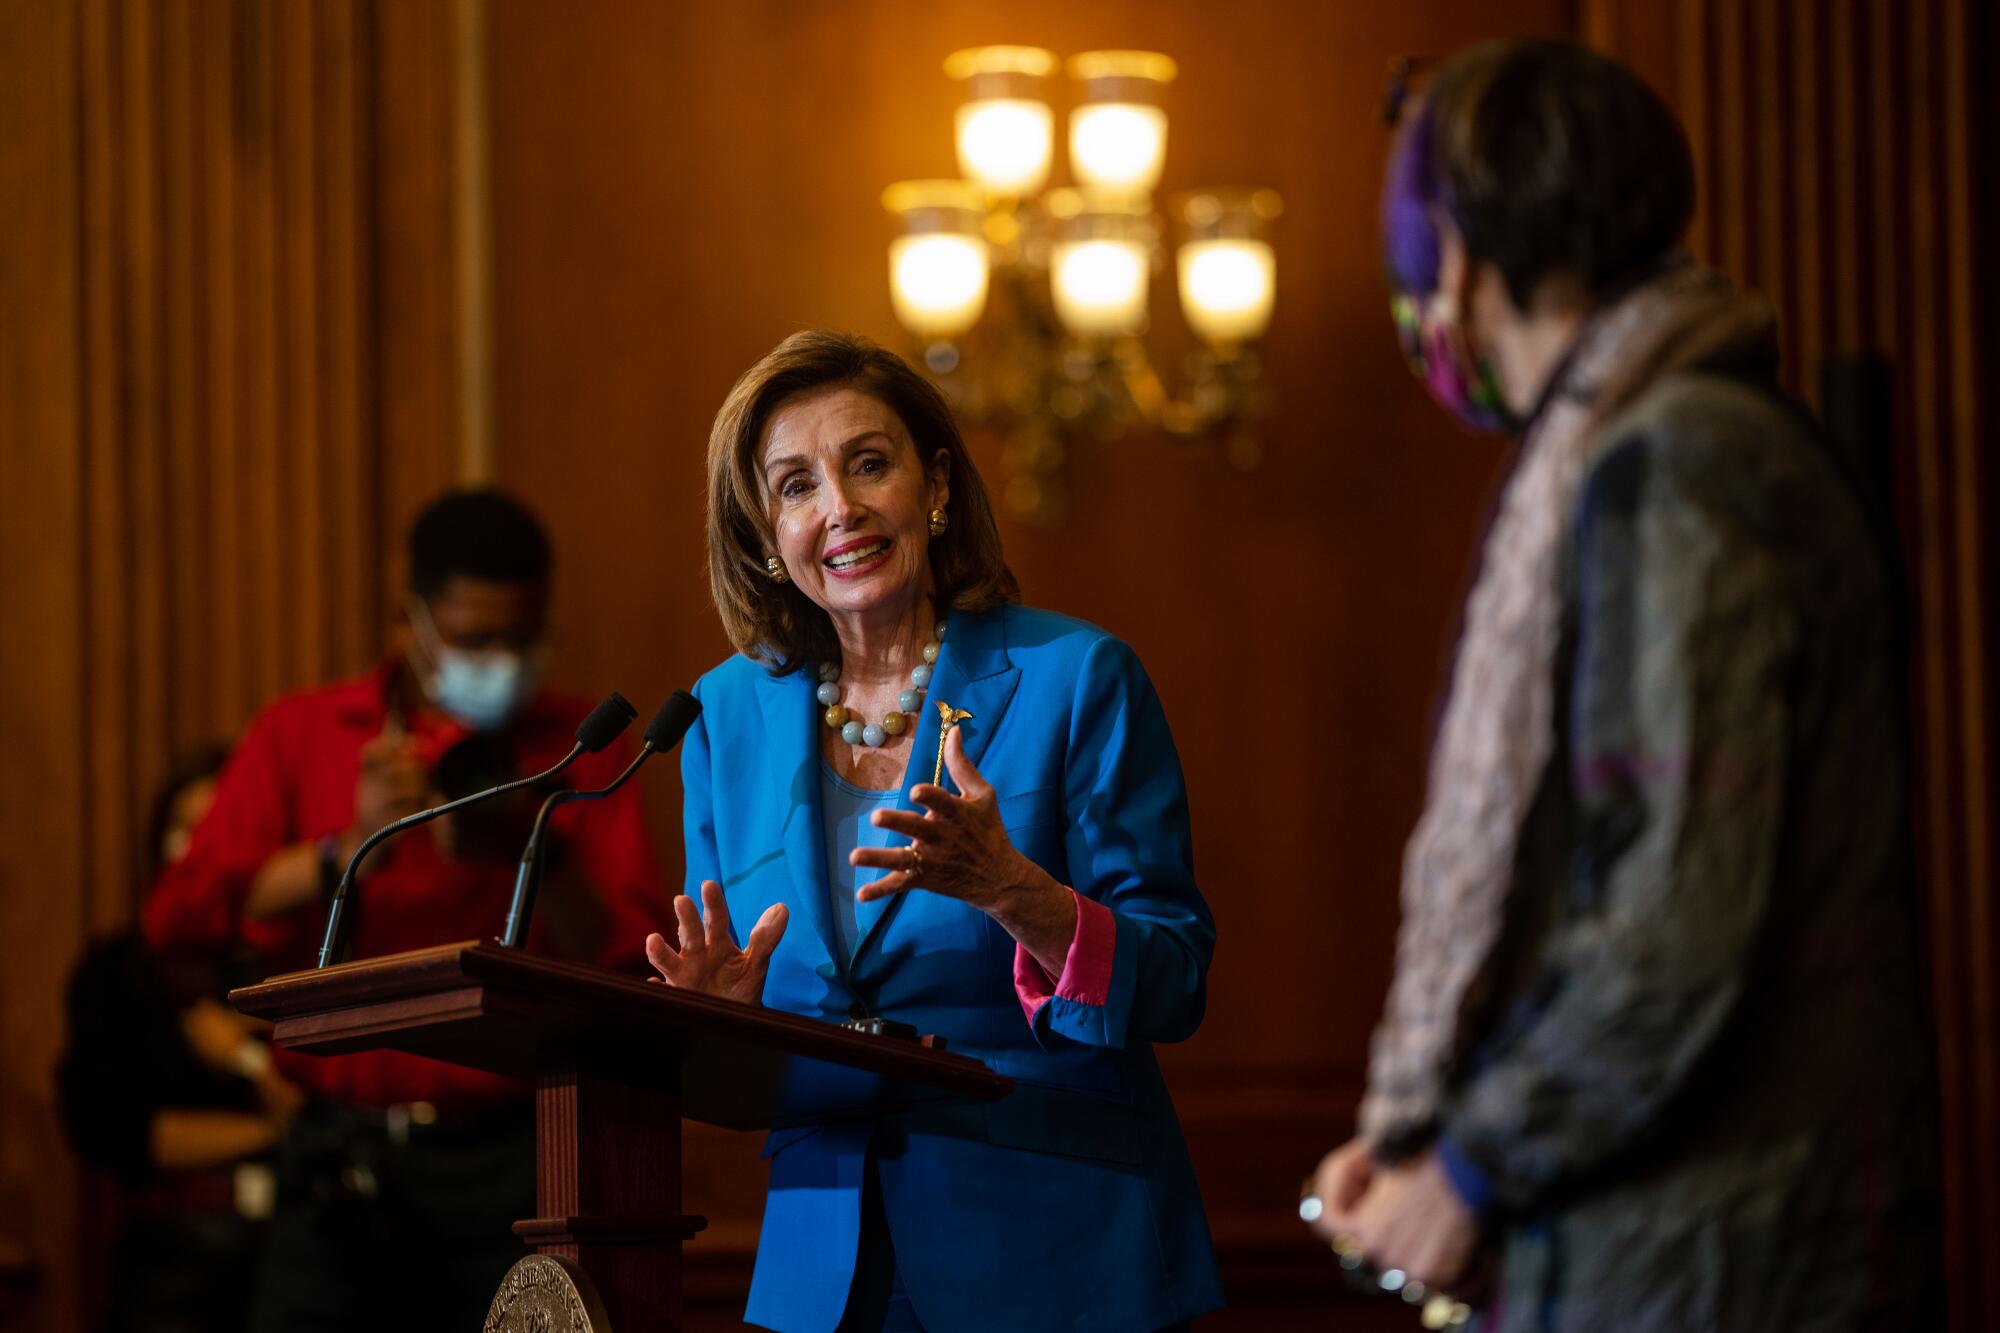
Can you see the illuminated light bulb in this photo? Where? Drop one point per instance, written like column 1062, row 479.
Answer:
column 1227, row 267
column 1005, row 144
column 1226, row 288
column 937, row 283
column 1005, row 128
column 1118, row 145
column 1099, row 286
column 1118, row 132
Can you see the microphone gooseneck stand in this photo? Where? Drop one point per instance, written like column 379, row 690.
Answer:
column 599, row 729
column 663, row 733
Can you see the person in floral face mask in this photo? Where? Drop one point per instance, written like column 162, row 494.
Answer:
column 1621, row 1080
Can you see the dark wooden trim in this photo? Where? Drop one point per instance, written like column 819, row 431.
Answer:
column 611, row 1229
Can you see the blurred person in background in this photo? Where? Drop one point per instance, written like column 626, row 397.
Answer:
column 1655, row 1043
column 404, row 1175
column 173, row 1092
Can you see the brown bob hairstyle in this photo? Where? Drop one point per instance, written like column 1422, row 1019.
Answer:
column 775, row 622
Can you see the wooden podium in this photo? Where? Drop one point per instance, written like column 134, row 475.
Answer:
column 616, row 1062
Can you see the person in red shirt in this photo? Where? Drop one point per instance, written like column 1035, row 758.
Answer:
column 402, row 1167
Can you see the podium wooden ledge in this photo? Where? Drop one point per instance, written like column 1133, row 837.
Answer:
column 509, row 1012
column 616, row 1062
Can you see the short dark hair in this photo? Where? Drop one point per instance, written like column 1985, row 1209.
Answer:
column 1548, row 157
column 478, row 534
column 775, row 622
column 198, row 765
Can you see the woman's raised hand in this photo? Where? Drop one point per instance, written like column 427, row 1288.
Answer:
column 960, row 849
column 708, row 959
column 958, row 846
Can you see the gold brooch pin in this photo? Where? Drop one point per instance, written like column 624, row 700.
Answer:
column 948, row 717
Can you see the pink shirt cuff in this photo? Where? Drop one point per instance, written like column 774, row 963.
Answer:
column 1086, row 974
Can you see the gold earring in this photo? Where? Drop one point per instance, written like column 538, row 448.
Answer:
column 939, row 522
column 776, row 569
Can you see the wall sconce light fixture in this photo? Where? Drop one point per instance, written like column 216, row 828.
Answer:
column 1031, row 305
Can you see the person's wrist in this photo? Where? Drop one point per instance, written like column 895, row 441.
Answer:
column 1018, row 890
column 1033, row 903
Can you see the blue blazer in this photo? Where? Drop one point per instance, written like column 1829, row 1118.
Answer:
column 1070, row 1204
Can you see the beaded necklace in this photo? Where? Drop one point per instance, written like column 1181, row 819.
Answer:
column 851, row 728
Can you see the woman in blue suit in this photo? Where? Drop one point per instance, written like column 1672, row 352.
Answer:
column 1038, row 910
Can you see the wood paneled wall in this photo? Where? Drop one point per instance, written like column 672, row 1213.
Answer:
column 254, row 270
column 224, row 386
column 1846, row 151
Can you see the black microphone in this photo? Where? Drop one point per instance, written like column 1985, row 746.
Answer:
column 596, row 731
column 663, row 733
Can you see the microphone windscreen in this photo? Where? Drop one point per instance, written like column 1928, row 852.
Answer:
column 676, row 715
column 605, row 722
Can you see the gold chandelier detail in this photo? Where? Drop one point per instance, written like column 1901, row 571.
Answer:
column 1030, row 305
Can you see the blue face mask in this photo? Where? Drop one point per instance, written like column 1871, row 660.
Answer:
column 482, row 690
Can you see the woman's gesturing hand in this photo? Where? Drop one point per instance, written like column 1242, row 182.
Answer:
column 708, row 959
column 959, row 848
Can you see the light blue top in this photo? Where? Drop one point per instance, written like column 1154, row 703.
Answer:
column 844, row 811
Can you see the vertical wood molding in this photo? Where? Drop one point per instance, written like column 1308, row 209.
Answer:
column 1843, row 213
column 1692, row 90
column 44, row 781
column 350, row 550
column 1837, row 154
column 1963, row 340
column 1971, row 490
column 411, row 232
column 103, row 588
column 1732, row 200
column 472, row 196
column 1804, row 113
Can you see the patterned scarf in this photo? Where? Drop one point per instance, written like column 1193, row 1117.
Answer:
column 1498, row 730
